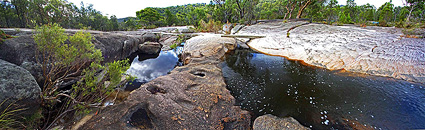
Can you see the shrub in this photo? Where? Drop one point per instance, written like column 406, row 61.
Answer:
column 180, row 39
column 211, row 26
column 173, row 46
column 77, row 61
column 383, row 23
column 399, row 24
column 150, row 26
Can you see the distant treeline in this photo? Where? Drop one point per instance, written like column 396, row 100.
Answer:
column 246, row 11
column 29, row 13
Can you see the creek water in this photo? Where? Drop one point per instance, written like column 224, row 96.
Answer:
column 148, row 67
column 320, row 98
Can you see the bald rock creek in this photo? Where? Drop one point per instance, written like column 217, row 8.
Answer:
column 318, row 98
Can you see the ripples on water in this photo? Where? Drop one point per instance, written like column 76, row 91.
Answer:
column 322, row 99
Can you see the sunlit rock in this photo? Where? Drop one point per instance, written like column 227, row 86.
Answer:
column 371, row 50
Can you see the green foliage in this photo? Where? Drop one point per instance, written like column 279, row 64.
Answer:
column 30, row 13
column 383, row 23
column 170, row 18
column 130, row 24
column 150, row 27
column 414, row 30
column 116, row 69
column 33, row 121
column 367, row 13
column 173, row 46
column 399, row 24
column 386, row 12
column 149, row 16
column 344, row 14
column 9, row 116
column 24, row 13
column 332, row 11
column 211, row 26
column 342, row 18
column 180, row 39
column 79, row 60
column 4, row 36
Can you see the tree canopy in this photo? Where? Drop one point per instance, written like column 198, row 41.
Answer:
column 30, row 13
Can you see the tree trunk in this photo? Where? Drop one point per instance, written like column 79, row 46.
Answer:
column 302, row 7
column 289, row 11
column 241, row 11
column 410, row 12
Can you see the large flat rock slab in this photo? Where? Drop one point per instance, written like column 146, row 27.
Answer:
column 372, row 50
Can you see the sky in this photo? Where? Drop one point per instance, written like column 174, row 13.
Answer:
column 126, row 8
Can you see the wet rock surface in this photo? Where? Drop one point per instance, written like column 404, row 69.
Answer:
column 193, row 96
column 19, row 87
column 371, row 50
column 270, row 122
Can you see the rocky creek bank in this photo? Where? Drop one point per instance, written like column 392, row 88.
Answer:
column 193, row 96
column 380, row 51
column 21, row 50
column 21, row 75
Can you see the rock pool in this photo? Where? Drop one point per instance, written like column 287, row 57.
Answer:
column 320, row 98
column 148, row 67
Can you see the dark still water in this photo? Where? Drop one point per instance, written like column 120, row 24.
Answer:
column 320, row 98
column 148, row 67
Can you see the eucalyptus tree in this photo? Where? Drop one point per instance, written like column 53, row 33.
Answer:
column 413, row 4
column 148, row 16
column 21, row 9
column 386, row 12
column 331, row 10
column 367, row 12
column 8, row 17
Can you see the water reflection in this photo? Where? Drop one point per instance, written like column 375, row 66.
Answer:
column 149, row 67
column 320, row 98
